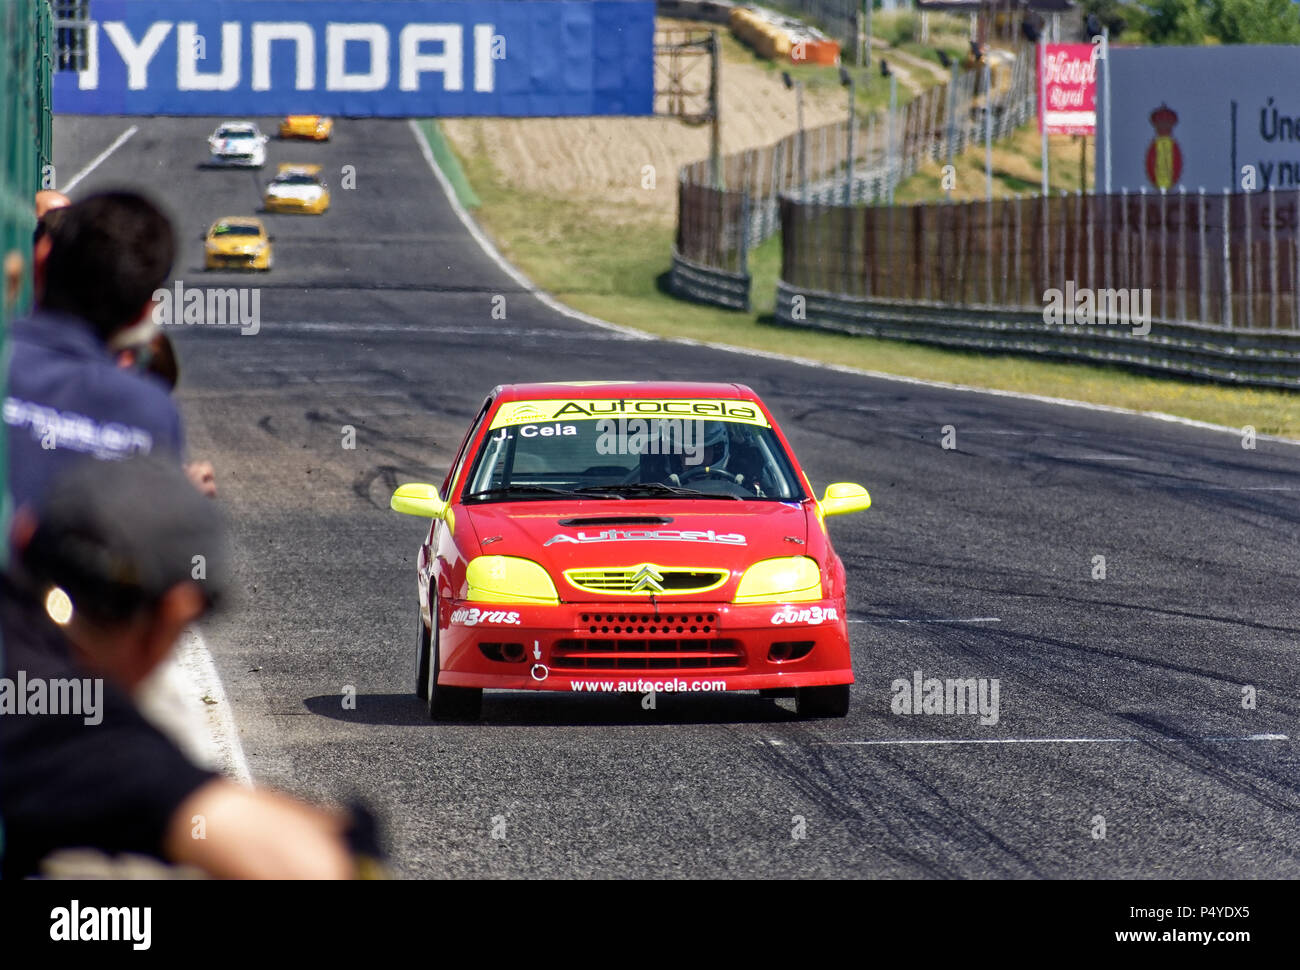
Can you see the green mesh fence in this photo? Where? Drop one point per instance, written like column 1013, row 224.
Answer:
column 26, row 64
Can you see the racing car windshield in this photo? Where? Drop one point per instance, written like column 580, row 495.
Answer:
column 668, row 458
column 236, row 229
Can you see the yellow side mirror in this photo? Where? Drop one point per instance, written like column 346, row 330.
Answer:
column 418, row 499
column 845, row 497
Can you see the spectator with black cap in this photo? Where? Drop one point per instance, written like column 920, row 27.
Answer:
column 103, row 583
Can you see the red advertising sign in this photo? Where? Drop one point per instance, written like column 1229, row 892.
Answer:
column 1067, row 79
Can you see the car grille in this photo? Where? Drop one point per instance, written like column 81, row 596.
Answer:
column 622, row 580
column 642, row 653
column 640, row 624
column 234, row 259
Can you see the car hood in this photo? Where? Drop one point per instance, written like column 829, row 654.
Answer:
column 713, row 534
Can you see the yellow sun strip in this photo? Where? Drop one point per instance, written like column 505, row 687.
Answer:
column 704, row 409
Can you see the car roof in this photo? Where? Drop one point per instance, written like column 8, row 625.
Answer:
column 293, row 168
column 615, row 390
column 238, row 125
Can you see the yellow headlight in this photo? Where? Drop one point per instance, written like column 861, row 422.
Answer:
column 508, row 579
column 793, row 579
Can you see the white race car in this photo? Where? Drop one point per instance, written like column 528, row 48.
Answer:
column 237, row 143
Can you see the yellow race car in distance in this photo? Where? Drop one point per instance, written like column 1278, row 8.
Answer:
column 237, row 242
column 297, row 188
column 315, row 127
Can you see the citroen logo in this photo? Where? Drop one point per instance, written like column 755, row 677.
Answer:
column 647, row 577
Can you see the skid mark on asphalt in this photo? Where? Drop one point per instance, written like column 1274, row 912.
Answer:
column 922, row 823
column 912, row 741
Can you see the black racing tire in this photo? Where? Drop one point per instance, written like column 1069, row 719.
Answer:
column 830, row 701
column 449, row 703
column 422, row 647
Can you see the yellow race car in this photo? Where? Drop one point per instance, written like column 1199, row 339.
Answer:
column 315, row 127
column 297, row 188
column 237, row 242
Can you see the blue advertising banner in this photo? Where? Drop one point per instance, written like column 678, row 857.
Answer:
column 392, row 58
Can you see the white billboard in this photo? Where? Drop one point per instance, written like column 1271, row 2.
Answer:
column 1201, row 117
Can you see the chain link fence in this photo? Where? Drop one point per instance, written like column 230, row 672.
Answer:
column 859, row 162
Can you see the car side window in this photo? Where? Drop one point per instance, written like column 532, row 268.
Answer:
column 454, row 472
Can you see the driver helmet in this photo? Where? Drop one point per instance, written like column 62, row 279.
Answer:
column 715, row 446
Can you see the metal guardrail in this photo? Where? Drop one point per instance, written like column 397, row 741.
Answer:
column 706, row 284
column 1262, row 358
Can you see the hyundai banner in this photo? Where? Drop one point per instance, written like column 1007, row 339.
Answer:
column 393, row 58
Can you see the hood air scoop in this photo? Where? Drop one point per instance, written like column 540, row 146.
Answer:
column 595, row 520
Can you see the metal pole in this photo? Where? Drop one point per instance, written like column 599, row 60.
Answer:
column 1105, row 91
column 1142, row 239
column 1249, row 210
column 1164, row 254
column 1019, row 246
column 1092, row 241
column 1004, row 210
column 988, row 134
column 952, row 115
column 715, row 127
column 803, row 143
column 1064, row 275
column 866, row 58
column 1042, row 104
column 1272, row 257
column 1295, row 278
column 1125, row 277
column 893, row 112
column 1182, row 252
column 1227, row 258
column 1203, row 258
column 853, row 131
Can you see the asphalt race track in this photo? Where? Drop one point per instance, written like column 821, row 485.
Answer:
column 1120, row 697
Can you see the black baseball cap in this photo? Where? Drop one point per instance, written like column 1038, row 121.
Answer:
column 116, row 535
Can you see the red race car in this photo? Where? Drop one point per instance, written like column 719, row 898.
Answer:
column 629, row 538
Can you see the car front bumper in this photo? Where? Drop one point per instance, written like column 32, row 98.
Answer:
column 629, row 647
column 238, row 161
column 291, row 206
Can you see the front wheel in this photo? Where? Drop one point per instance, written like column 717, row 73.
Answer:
column 830, row 701
column 449, row 703
column 422, row 647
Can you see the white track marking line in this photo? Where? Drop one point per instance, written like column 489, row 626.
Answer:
column 487, row 246
column 221, row 719
column 894, row 619
column 98, row 159
column 1248, row 737
column 1228, row 488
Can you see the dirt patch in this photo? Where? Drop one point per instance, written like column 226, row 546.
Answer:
column 603, row 159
